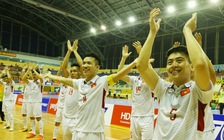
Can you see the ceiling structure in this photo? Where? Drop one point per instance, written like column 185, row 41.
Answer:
column 59, row 20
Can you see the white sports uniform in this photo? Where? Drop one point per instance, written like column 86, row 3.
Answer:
column 90, row 116
column 181, row 111
column 8, row 102
column 142, row 116
column 69, row 111
column 26, row 93
column 34, row 108
column 8, row 99
column 60, row 104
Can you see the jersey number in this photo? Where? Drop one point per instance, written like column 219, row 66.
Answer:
column 172, row 118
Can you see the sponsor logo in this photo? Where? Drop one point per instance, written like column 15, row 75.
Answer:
column 44, row 104
column 53, row 106
column 105, row 109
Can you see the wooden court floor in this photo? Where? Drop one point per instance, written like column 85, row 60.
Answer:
column 112, row 133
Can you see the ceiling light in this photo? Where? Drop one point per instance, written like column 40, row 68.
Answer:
column 192, row 4
column 93, row 30
column 118, row 23
column 171, row 9
column 131, row 19
column 103, row 27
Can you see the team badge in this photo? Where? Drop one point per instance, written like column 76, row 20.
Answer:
column 185, row 91
column 93, row 85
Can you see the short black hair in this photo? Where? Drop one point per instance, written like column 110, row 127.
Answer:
column 97, row 58
column 178, row 49
column 75, row 65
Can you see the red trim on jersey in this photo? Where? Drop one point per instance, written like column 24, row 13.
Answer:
column 201, row 114
column 41, row 88
column 103, row 100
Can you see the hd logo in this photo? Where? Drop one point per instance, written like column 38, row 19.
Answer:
column 219, row 126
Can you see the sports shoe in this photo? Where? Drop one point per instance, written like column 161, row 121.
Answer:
column 54, row 139
column 11, row 129
column 40, row 137
column 24, row 130
column 6, row 127
column 31, row 136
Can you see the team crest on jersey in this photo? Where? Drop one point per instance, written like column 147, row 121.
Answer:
column 93, row 85
column 185, row 91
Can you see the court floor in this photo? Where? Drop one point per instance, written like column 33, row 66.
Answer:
column 112, row 133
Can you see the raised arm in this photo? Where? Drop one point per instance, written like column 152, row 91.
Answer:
column 24, row 76
column 38, row 75
column 64, row 65
column 66, row 81
column 210, row 66
column 122, row 74
column 77, row 56
column 125, row 55
column 138, row 46
column 147, row 73
column 199, row 62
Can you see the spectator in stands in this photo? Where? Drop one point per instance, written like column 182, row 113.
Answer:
column 221, row 99
column 8, row 98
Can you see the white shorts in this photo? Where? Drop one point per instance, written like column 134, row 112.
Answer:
column 88, row 136
column 34, row 110
column 68, row 127
column 58, row 116
column 7, row 106
column 142, row 128
column 24, row 108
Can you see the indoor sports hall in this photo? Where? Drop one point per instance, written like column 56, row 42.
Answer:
column 111, row 69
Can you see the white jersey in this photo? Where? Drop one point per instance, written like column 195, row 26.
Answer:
column 142, row 98
column 26, row 92
column 181, row 111
column 91, row 104
column 8, row 90
column 61, row 97
column 70, row 102
column 35, row 96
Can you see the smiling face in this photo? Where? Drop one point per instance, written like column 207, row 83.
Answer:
column 90, row 67
column 178, row 68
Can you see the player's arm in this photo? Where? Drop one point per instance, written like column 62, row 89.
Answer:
column 125, row 55
column 64, row 65
column 63, row 80
column 212, row 73
column 113, row 78
column 138, row 46
column 148, row 73
column 199, row 62
column 77, row 56
column 60, row 69
column 24, row 76
column 8, row 74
